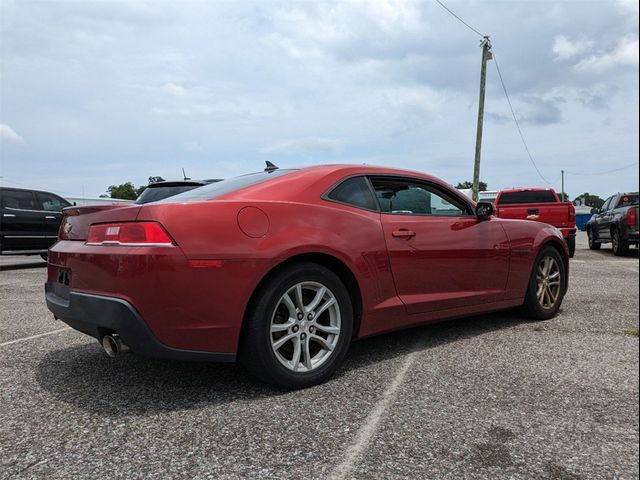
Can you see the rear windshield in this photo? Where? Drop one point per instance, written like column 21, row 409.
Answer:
column 158, row 193
column 544, row 196
column 223, row 187
column 627, row 200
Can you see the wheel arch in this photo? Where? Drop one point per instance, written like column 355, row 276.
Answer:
column 331, row 262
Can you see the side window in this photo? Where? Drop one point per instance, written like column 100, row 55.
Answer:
column 18, row 199
column 407, row 197
column 607, row 204
column 354, row 191
column 51, row 203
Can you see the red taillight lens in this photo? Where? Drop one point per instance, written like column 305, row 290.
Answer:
column 572, row 214
column 129, row 234
column 631, row 217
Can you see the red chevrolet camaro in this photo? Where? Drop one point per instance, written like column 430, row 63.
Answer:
column 282, row 269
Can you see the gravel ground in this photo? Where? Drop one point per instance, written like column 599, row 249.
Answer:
column 484, row 397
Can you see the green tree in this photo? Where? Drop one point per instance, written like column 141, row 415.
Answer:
column 125, row 191
column 590, row 200
column 128, row 190
column 482, row 186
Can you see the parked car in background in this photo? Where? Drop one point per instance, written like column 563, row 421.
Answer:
column 160, row 190
column 540, row 205
column 282, row 269
column 616, row 223
column 29, row 221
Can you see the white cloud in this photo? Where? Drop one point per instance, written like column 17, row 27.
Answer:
column 174, row 89
column 565, row 49
column 624, row 54
column 8, row 134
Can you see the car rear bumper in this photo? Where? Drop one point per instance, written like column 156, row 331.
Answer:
column 98, row 315
column 632, row 236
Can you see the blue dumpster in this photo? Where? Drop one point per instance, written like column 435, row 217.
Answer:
column 582, row 219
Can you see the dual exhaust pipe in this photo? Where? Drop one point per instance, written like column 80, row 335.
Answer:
column 113, row 345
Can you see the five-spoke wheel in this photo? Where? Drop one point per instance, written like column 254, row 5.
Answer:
column 298, row 327
column 547, row 285
column 305, row 326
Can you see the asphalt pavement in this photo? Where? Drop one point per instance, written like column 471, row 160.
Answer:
column 488, row 397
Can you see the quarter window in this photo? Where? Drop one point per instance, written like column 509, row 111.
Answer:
column 405, row 197
column 354, row 191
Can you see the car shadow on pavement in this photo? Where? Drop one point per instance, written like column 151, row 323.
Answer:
column 130, row 385
column 608, row 253
column 21, row 266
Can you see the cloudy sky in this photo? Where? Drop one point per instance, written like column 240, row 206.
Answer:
column 95, row 93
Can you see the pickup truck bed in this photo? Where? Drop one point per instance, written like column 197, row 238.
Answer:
column 539, row 205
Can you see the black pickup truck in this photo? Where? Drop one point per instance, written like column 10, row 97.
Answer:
column 615, row 222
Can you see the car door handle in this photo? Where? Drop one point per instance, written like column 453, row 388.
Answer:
column 50, row 217
column 8, row 215
column 533, row 211
column 403, row 233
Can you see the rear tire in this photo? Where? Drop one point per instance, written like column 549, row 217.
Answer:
column 571, row 243
column 620, row 245
column 593, row 244
column 547, row 285
column 298, row 328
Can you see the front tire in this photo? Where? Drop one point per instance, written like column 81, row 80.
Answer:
column 593, row 244
column 298, row 328
column 547, row 285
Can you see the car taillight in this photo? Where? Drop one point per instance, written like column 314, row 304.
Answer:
column 132, row 234
column 572, row 214
column 631, row 217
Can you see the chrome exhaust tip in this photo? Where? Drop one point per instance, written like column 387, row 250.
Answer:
column 113, row 346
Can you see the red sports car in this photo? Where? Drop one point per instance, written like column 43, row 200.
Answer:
column 282, row 269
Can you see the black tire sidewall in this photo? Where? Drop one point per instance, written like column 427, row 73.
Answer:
column 257, row 353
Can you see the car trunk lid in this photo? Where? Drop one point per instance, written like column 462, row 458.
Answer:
column 77, row 220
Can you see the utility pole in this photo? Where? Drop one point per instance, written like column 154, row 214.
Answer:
column 562, row 171
column 485, row 44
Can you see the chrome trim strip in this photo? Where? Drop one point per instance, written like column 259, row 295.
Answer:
column 30, row 236
column 119, row 244
column 21, row 252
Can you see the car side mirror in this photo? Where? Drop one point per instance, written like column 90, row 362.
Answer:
column 484, row 209
column 595, row 210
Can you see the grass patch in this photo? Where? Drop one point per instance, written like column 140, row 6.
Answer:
column 632, row 332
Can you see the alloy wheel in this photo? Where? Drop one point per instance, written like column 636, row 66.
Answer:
column 305, row 326
column 548, row 282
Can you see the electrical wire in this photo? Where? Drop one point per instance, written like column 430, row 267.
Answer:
column 605, row 172
column 504, row 88
column 459, row 19
column 515, row 119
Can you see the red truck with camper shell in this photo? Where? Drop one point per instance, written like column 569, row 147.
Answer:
column 539, row 205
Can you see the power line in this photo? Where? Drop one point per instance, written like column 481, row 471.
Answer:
column 504, row 88
column 605, row 172
column 459, row 19
column 515, row 119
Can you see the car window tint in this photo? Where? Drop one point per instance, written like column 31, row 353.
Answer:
column 354, row 191
column 18, row 199
column 405, row 197
column 213, row 190
column 544, row 196
column 626, row 200
column 154, row 194
column 51, row 203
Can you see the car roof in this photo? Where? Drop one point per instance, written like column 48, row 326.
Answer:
column 526, row 189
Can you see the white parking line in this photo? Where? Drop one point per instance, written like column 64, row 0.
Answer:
column 368, row 429
column 24, row 339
